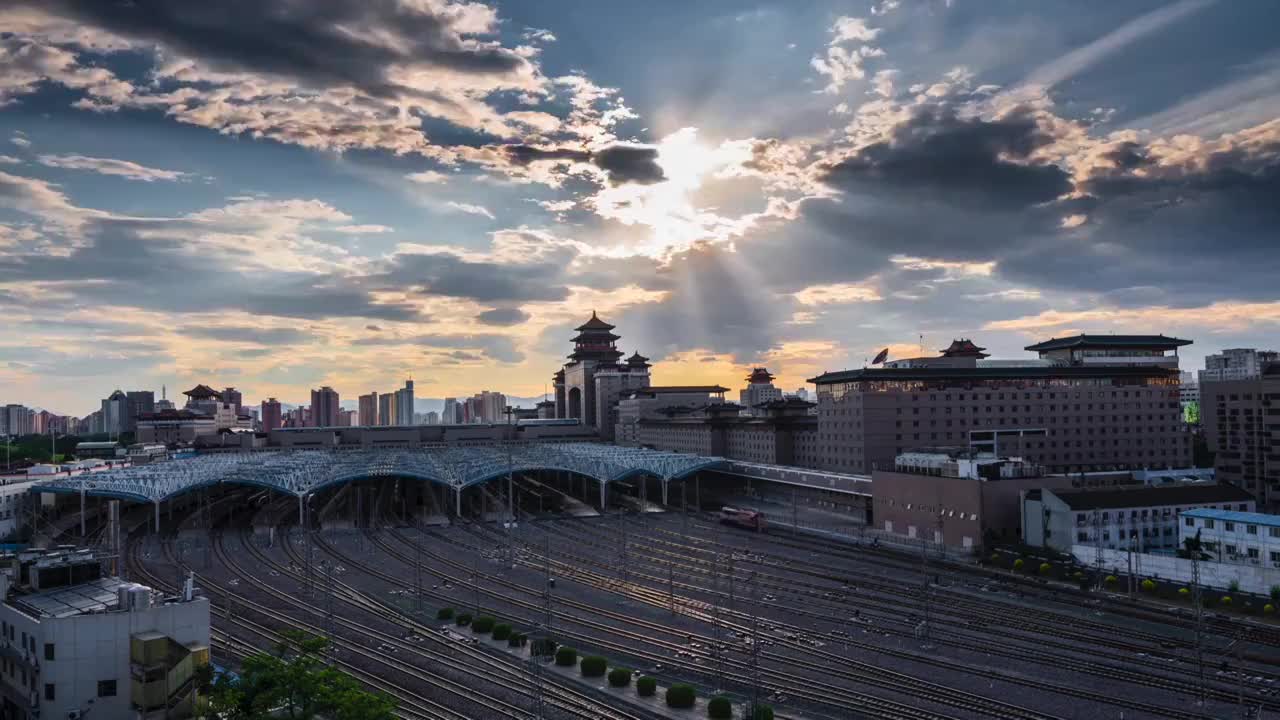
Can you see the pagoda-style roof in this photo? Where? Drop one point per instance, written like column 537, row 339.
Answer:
column 1131, row 342
column 595, row 323
column 595, row 336
column 202, row 392
column 760, row 376
column 558, row 377
column 964, row 347
column 638, row 360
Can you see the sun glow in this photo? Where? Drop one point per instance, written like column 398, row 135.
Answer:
column 667, row 207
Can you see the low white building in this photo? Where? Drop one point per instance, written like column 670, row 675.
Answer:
column 1231, row 536
column 74, row 643
column 14, row 499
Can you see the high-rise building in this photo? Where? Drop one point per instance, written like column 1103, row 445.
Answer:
column 1236, row 364
column 369, row 409
column 1089, row 403
column 17, row 420
column 1240, row 427
column 115, row 413
column 759, row 390
column 164, row 403
column 451, row 415
column 324, row 407
column 140, row 401
column 348, row 418
column 404, row 404
column 386, row 409
column 233, row 397
column 270, row 414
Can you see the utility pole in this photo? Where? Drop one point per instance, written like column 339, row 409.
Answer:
column 715, row 609
column 1199, row 606
column 925, row 594
column 755, row 645
column 1097, row 551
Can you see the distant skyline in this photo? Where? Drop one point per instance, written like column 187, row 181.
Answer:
column 350, row 194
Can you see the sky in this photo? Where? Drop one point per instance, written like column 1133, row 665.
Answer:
column 282, row 194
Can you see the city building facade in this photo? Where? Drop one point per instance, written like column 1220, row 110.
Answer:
column 369, row 409
column 1087, row 404
column 589, row 387
column 1234, row 536
column 174, row 427
column 759, row 390
column 325, row 406
column 115, row 413
column 1141, row 518
column 271, row 418
column 1241, row 420
column 1237, row 364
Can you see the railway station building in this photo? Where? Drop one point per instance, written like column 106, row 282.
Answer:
column 1086, row 403
column 589, row 386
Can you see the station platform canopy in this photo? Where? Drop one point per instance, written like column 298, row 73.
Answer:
column 302, row 472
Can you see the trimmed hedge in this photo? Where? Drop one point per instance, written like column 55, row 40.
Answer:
column 501, row 631
column 761, row 712
column 1268, row 609
column 593, row 666
column 619, row 677
column 463, row 620
column 1226, row 600
column 1045, row 568
column 720, row 708
column 1148, row 585
column 566, row 657
column 646, row 686
column 444, row 614
column 543, row 646
column 681, row 696
column 1111, row 580
column 483, row 624
column 1017, row 564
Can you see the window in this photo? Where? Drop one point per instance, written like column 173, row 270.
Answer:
column 1208, row 523
column 1229, row 526
column 48, row 691
column 1251, row 529
column 1190, row 522
column 48, row 651
column 1253, row 553
column 106, row 688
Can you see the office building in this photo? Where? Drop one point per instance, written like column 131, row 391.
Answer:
column 369, row 409
column 955, row 498
column 485, row 407
column 348, row 418
column 140, row 402
column 325, row 407
column 174, row 427
column 546, row 410
column 782, row 432
column 386, row 409
column 590, row 385
column 1141, row 518
column 1234, row 536
column 115, row 413
column 404, row 404
column 16, row 501
column 452, row 412
column 759, row 390
column 271, row 418
column 1088, row 403
column 1237, row 364
column 79, row 644
column 233, row 397
column 17, row 420
column 1240, row 426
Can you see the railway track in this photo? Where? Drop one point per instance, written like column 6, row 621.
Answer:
column 805, row 596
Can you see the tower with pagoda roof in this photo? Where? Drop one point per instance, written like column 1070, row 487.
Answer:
column 759, row 390
column 589, row 385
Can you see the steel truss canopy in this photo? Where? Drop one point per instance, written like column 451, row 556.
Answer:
column 302, row 472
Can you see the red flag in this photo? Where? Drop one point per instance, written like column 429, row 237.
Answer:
column 884, row 355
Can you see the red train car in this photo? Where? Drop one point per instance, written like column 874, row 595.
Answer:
column 749, row 519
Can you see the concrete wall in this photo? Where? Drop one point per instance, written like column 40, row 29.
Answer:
column 1252, row 578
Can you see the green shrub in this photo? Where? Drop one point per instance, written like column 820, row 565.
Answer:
column 1148, row 585
column 483, row 624
column 463, row 620
column 720, row 708
column 995, row 558
column 646, row 686
column 681, row 696
column 1225, row 600
column 1017, row 564
column 1268, row 609
column 593, row 666
column 1234, row 586
column 1275, row 593
column 513, row 640
column 543, row 647
column 566, row 657
column 1111, row 580
column 1045, row 568
column 1184, row 593
column 619, row 677
column 444, row 614
column 760, row 712
column 1077, row 575
column 501, row 632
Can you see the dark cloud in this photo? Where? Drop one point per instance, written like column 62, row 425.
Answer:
column 321, row 43
column 623, row 163
column 503, row 316
column 449, row 275
column 498, row 347
column 940, row 156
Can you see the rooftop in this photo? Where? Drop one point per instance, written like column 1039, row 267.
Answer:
column 1147, row 342
column 595, row 323
column 202, row 391
column 661, row 389
column 1111, row 498
column 992, row 373
column 94, row 596
column 1235, row 516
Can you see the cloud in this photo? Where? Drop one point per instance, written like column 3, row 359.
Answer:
column 20, row 141
column 427, row 177
column 364, row 229
column 247, row 334
column 10, row 160
column 503, row 316
column 470, row 209
column 108, row 166
column 837, row 293
column 538, row 35
column 841, row 63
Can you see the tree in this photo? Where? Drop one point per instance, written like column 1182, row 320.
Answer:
column 593, row 666
column 293, row 682
column 619, row 677
column 720, row 708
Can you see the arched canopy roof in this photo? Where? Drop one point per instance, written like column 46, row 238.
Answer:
column 301, row 472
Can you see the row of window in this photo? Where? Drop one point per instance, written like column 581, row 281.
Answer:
column 1231, row 526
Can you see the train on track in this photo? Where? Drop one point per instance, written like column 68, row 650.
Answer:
column 739, row 517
